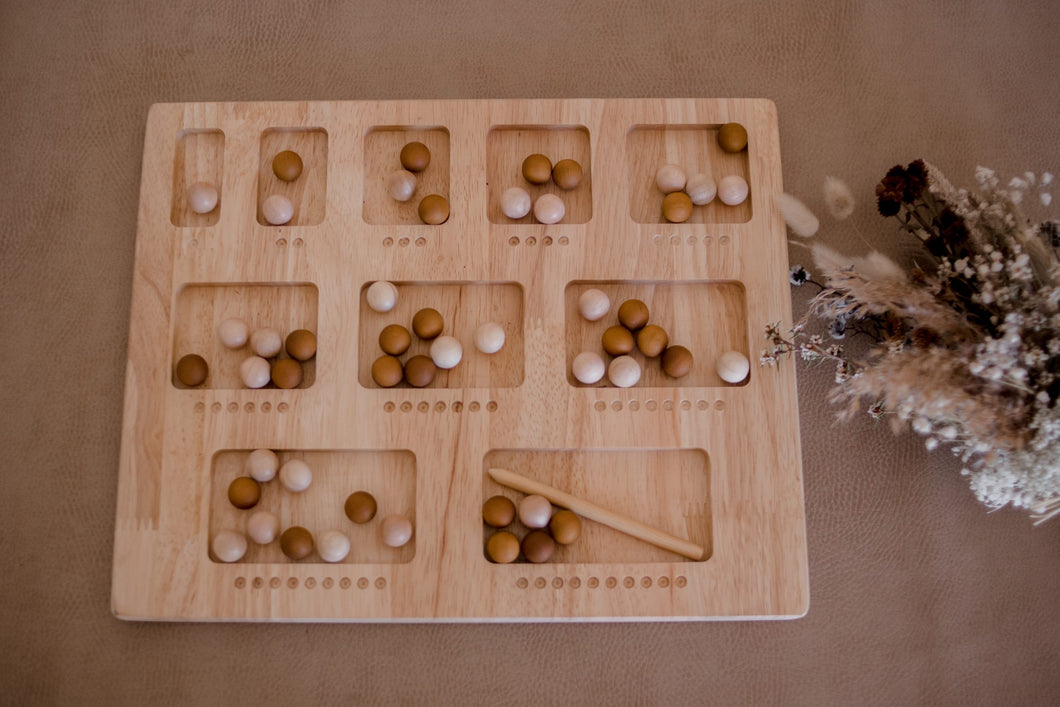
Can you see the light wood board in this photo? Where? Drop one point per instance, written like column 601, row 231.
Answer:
column 717, row 464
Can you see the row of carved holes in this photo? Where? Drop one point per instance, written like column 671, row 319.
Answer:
column 234, row 407
column 309, row 583
column 532, row 241
column 594, row 582
column 659, row 239
column 652, row 406
column 404, row 242
column 439, row 406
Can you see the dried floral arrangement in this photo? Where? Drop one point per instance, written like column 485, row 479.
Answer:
column 965, row 346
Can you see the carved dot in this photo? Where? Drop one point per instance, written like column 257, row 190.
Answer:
column 540, row 583
column 611, row 583
column 310, row 583
column 404, row 242
column 362, row 583
column 328, row 583
column 691, row 240
column 575, row 582
column 645, row 582
column 675, row 240
column 233, row 407
column 458, row 406
column 629, row 583
column 522, row 583
column 491, row 406
column 680, row 582
column 281, row 242
column 274, row 582
column 298, row 242
column 216, row 407
column 282, row 407
column 513, row 241
column 531, row 241
column 424, row 406
column 723, row 241
column 593, row 583
column 200, row 406
column 406, row 406
column 258, row 582
column 439, row 406
column 634, row 405
column 193, row 243
column 651, row 406
column 266, row 407
column 719, row 405
column 557, row 582
column 249, row 407
column 702, row 405
column 388, row 241
column 546, row 241
column 388, row 406
column 241, row 582
column 292, row 582
column 656, row 239
column 380, row 583
column 686, row 404
column 599, row 406
column 473, row 406
column 344, row 583
column 563, row 240
column 664, row 582
column 668, row 405
column 420, row 242
column 616, row 406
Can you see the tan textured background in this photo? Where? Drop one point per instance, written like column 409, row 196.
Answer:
column 917, row 595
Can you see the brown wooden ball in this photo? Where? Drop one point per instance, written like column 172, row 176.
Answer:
column 287, row 165
column 537, row 169
column 415, row 157
column 395, row 339
column 652, row 340
column 732, row 137
column 428, row 323
column 296, row 542
column 498, row 511
column 617, row 340
column 244, row 492
column 301, row 344
column 565, row 527
column 502, row 547
column 677, row 361
column 360, row 507
column 420, row 371
column 567, row 174
column 387, row 371
column 538, row 546
column 433, row 209
column 677, row 207
column 286, row 373
column 192, row 370
column 633, row 314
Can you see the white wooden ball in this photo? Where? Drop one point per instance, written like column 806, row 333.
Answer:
column 588, row 367
column 396, row 530
column 489, row 338
column 515, row 202
column 549, row 209
column 255, row 372
column 233, row 333
column 594, row 304
column 535, row 511
column 277, row 210
column 263, row 527
column 229, row 546
column 732, row 190
column 701, row 189
column 382, row 296
column 401, row 185
column 670, row 178
column 333, row 546
column 295, row 475
column 266, row 342
column 262, row 465
column 202, row 197
column 733, row 367
column 624, row 372
column 446, row 352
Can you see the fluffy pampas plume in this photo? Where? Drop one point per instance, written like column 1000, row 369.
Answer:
column 799, row 218
column 838, row 198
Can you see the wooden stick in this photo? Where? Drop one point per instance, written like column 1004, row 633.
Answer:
column 590, row 510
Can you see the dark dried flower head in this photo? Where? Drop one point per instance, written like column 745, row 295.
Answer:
column 798, row 275
column 915, row 180
column 923, row 337
column 838, row 328
column 891, row 191
column 1050, row 233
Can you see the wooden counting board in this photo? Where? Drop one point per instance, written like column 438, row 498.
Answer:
column 709, row 462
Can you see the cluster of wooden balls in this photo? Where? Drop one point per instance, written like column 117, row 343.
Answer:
column 548, row 208
column 415, row 157
column 427, row 324
column 266, row 364
column 395, row 529
column 547, row 528
column 278, row 209
column 684, row 192
column 632, row 332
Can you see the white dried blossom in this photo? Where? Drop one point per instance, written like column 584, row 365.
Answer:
column 838, row 198
column 1046, row 198
column 798, row 216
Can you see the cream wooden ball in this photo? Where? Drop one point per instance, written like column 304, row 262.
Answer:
column 670, row 178
column 261, row 465
column 396, row 530
column 515, row 202
column 233, row 333
column 446, row 352
column 489, row 338
column 588, row 367
column 277, row 210
column 732, row 190
column 295, row 475
column 594, row 304
column 701, row 189
column 535, row 511
column 624, row 372
column 229, row 546
column 255, row 372
column 733, row 367
column 202, row 197
column 549, row 209
column 333, row 546
column 266, row 342
column 401, row 185
column 382, row 296
column 263, row 527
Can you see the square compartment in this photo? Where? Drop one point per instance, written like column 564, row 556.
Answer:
column 707, row 317
column 695, row 149
column 389, row 475
column 506, row 148
column 308, row 193
column 665, row 489
column 201, row 308
column 382, row 157
column 200, row 157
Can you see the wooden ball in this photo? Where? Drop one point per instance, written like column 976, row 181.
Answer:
column 427, row 323
column 395, row 339
column 538, row 546
column 537, row 169
column 652, row 340
column 244, row 492
column 415, row 157
column 624, row 372
column 287, row 165
column 617, row 340
column 733, row 190
column 229, row 546
column 732, row 137
column 733, row 367
column 567, row 174
column 535, row 511
column 277, row 210
column 401, row 185
column 434, row 209
column 255, row 372
column 502, row 547
column 633, row 314
column 301, row 344
column 360, row 507
column 192, row 370
column 565, row 527
column 396, row 530
column 677, row 361
column 420, row 371
column 498, row 511
column 677, row 207
column 296, row 542
column 588, row 367
column 387, row 371
column 202, row 197
column 549, row 209
column 286, row 373
column 670, row 178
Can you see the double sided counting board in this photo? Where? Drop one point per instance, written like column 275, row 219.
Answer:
column 712, row 463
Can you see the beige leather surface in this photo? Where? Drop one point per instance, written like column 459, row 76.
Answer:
column 917, row 594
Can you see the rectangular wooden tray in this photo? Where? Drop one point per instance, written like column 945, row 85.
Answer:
column 717, row 464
